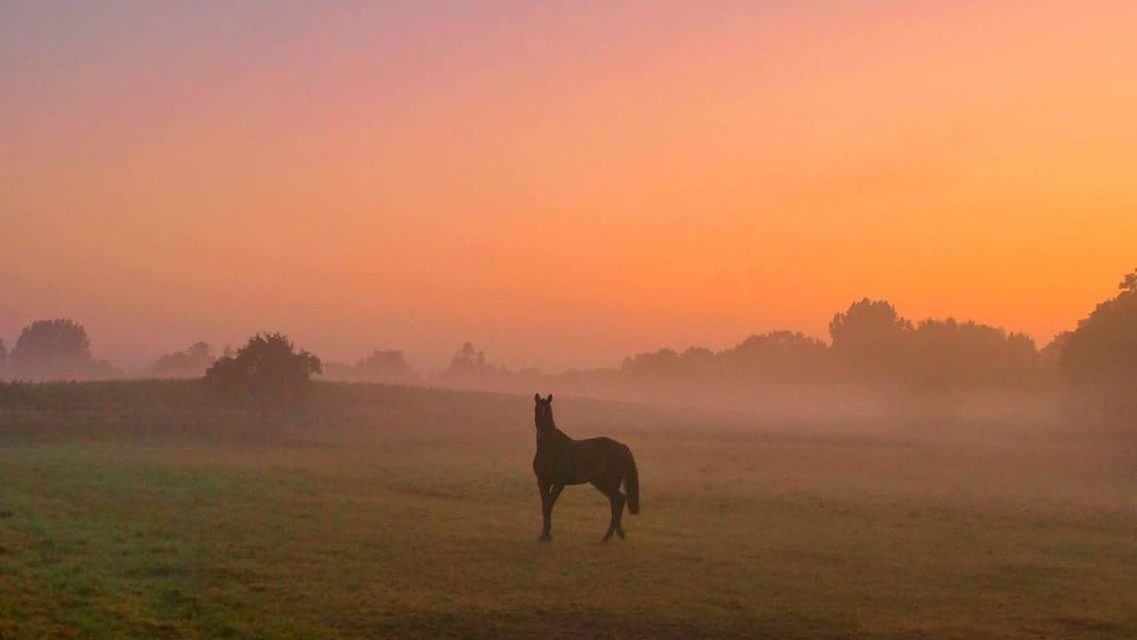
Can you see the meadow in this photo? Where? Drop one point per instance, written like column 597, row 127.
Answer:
column 146, row 510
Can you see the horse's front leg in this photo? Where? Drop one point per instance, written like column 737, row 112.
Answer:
column 549, row 495
column 546, row 510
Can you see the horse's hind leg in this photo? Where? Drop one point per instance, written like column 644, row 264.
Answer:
column 616, row 501
column 621, row 500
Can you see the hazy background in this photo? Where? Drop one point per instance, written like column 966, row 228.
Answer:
column 561, row 184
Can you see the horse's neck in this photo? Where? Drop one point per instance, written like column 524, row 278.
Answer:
column 552, row 438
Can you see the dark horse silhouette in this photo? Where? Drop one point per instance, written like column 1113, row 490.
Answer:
column 561, row 461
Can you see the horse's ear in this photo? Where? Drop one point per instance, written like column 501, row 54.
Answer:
column 536, row 397
column 550, row 397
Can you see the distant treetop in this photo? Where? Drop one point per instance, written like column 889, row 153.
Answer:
column 56, row 350
column 1129, row 282
column 191, row 363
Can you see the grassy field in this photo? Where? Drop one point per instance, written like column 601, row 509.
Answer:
column 128, row 511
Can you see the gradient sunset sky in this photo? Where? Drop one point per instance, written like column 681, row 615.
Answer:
column 562, row 183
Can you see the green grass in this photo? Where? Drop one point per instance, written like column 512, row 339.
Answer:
column 385, row 531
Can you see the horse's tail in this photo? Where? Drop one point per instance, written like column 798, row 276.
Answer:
column 632, row 484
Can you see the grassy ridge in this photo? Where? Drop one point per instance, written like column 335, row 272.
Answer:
column 414, row 513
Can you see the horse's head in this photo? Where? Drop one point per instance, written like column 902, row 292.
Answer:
column 543, row 412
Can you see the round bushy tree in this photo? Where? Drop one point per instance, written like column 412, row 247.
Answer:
column 269, row 369
column 53, row 349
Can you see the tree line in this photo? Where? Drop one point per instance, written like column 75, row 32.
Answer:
column 869, row 342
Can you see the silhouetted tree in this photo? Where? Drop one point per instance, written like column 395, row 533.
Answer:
column 1050, row 355
column 1103, row 349
column 699, row 363
column 1099, row 360
column 946, row 352
column 468, row 359
column 267, row 369
column 56, row 349
column 191, row 363
column 469, row 367
column 1129, row 282
column 386, row 366
column 871, row 339
column 778, row 356
column 656, row 365
column 3, row 356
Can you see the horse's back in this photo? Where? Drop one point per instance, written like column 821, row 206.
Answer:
column 602, row 450
column 603, row 442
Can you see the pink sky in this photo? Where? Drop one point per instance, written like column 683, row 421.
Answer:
column 563, row 184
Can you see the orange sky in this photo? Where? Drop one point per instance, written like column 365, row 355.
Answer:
column 561, row 185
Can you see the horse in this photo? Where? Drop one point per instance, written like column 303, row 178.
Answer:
column 562, row 461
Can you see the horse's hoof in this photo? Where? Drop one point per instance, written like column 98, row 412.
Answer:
column 607, row 537
column 544, row 537
column 620, row 532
